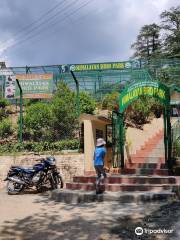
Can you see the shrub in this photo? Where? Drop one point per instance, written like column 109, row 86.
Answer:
column 156, row 108
column 40, row 146
column 6, row 128
column 139, row 111
column 2, row 113
column 3, row 102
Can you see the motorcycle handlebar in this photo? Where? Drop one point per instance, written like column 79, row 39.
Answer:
column 40, row 160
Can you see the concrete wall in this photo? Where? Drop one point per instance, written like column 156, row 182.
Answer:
column 69, row 165
column 175, row 96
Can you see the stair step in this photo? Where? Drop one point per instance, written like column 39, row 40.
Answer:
column 147, row 155
column 80, row 196
column 121, row 187
column 145, row 171
column 146, row 165
column 150, row 159
column 130, row 179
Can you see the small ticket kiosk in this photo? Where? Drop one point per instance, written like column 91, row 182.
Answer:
column 92, row 128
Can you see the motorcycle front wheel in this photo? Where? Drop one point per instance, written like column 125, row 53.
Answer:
column 14, row 188
column 58, row 181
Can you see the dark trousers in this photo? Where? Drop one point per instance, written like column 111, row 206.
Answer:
column 100, row 170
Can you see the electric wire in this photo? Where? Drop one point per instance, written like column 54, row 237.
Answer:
column 47, row 34
column 53, row 23
column 29, row 26
column 35, row 28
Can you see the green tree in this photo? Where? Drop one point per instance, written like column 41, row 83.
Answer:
column 110, row 100
column 171, row 26
column 87, row 103
column 148, row 42
column 65, row 121
column 38, row 121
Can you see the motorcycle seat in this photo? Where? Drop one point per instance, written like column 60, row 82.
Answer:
column 25, row 169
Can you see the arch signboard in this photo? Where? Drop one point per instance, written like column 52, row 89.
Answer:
column 146, row 88
column 152, row 89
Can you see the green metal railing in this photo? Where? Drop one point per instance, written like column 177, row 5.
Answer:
column 101, row 82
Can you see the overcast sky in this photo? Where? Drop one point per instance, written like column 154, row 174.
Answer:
column 44, row 32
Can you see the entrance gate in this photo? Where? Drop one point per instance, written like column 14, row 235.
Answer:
column 130, row 94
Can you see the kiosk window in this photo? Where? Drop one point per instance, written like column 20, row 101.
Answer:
column 99, row 133
column 109, row 135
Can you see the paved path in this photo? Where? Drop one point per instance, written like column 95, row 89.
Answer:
column 34, row 216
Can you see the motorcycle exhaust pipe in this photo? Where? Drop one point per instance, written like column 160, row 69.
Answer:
column 16, row 180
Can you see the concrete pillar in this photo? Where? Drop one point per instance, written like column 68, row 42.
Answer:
column 89, row 144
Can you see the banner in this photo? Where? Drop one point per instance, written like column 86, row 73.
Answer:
column 100, row 66
column 35, row 85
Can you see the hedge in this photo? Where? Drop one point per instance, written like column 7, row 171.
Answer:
column 40, row 146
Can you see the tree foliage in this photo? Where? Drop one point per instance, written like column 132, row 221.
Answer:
column 110, row 100
column 87, row 103
column 160, row 41
column 58, row 119
column 171, row 26
column 64, row 112
column 38, row 121
column 148, row 42
column 139, row 112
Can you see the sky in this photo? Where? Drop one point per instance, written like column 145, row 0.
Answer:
column 45, row 32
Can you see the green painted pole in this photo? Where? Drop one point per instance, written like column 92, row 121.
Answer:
column 77, row 94
column 20, row 137
column 121, row 132
column 165, row 135
column 169, row 138
column 113, row 138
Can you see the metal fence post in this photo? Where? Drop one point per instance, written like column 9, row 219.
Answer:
column 20, row 137
column 77, row 94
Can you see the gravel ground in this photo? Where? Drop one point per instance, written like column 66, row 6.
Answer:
column 34, row 216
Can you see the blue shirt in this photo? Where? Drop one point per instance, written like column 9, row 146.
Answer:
column 99, row 155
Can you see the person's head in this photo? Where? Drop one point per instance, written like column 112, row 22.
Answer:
column 100, row 142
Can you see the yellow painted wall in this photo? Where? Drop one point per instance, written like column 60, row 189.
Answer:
column 90, row 127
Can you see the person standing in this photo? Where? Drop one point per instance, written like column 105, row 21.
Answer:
column 99, row 156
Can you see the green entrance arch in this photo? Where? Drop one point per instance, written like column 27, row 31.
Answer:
column 133, row 92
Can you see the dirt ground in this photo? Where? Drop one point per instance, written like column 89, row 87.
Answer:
column 34, row 216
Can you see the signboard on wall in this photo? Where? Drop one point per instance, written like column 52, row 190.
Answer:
column 35, row 85
column 10, row 86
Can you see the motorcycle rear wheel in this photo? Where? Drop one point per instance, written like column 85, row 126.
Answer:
column 14, row 188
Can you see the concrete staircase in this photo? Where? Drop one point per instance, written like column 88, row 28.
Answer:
column 129, row 182
column 144, row 178
column 151, row 151
column 148, row 182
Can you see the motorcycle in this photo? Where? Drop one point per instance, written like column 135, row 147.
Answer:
column 43, row 174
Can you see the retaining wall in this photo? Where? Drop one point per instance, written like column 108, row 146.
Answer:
column 69, row 165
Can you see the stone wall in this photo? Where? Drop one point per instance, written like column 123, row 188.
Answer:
column 69, row 165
